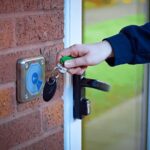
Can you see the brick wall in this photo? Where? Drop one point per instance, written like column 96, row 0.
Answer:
column 29, row 28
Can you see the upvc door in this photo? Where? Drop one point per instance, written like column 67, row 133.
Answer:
column 118, row 119
column 123, row 126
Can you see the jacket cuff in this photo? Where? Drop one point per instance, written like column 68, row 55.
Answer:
column 122, row 50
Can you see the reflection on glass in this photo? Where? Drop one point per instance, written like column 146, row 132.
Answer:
column 115, row 121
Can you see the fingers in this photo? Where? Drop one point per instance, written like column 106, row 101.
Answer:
column 78, row 70
column 65, row 52
column 76, row 50
column 77, row 62
column 77, row 65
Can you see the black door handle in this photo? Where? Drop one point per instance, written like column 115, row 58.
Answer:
column 81, row 105
column 92, row 83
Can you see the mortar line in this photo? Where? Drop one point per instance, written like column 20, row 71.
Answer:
column 38, row 138
column 30, row 46
column 28, row 13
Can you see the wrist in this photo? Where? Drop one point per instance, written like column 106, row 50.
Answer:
column 108, row 48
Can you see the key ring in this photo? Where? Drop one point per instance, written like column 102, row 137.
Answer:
column 61, row 68
column 55, row 73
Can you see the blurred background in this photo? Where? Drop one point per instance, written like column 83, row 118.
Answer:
column 116, row 121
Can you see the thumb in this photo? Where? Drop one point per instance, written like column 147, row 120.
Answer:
column 77, row 62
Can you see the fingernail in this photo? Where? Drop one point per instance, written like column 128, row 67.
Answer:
column 68, row 64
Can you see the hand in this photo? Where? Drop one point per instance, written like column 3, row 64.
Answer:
column 85, row 55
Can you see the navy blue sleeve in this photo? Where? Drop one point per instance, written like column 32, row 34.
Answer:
column 131, row 45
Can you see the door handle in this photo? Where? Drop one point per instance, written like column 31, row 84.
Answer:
column 81, row 105
column 92, row 83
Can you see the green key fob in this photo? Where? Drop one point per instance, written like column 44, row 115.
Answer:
column 65, row 58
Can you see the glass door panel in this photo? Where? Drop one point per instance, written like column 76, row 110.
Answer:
column 115, row 122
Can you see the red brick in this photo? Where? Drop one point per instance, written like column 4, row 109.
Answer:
column 53, row 115
column 9, row 6
column 49, row 53
column 51, row 142
column 51, row 4
column 35, row 103
column 33, row 29
column 6, row 34
column 28, row 5
column 19, row 130
column 8, row 64
column 7, row 101
column 6, row 6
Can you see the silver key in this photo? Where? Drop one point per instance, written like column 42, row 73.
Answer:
column 61, row 68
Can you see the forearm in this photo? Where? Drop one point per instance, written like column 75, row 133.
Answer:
column 131, row 45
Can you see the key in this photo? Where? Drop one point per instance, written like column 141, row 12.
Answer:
column 60, row 66
column 65, row 58
column 51, row 85
column 50, row 88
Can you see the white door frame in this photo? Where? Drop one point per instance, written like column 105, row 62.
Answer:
column 73, row 35
column 148, row 109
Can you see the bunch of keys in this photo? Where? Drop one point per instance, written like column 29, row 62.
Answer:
column 51, row 85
